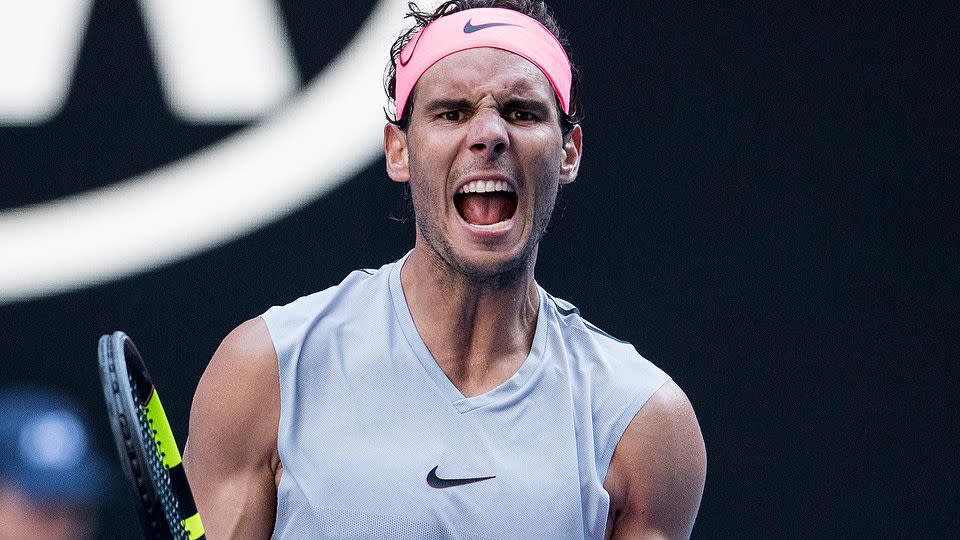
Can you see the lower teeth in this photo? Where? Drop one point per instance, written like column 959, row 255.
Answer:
column 493, row 224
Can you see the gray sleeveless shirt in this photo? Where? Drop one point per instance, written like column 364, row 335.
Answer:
column 377, row 443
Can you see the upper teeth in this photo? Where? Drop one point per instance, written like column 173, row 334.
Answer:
column 486, row 186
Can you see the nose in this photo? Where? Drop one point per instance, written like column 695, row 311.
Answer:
column 488, row 134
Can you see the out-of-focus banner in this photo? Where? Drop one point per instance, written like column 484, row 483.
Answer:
column 223, row 61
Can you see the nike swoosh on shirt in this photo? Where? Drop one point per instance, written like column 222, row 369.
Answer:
column 469, row 28
column 435, row 481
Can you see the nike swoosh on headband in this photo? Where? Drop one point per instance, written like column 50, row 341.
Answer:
column 469, row 28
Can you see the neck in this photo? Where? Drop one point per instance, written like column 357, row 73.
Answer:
column 479, row 330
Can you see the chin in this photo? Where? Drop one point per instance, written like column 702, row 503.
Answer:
column 487, row 265
column 493, row 264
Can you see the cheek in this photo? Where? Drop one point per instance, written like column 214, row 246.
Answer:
column 432, row 157
column 544, row 168
column 427, row 186
column 545, row 150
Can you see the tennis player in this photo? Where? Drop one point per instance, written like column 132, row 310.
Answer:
column 447, row 395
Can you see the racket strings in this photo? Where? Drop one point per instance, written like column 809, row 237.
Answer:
column 168, row 501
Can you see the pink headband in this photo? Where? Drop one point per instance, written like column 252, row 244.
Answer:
column 483, row 27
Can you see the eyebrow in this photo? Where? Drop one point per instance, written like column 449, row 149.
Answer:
column 534, row 105
column 444, row 104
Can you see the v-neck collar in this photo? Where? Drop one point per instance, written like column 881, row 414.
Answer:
column 462, row 403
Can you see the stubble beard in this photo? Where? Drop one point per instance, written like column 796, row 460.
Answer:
column 503, row 274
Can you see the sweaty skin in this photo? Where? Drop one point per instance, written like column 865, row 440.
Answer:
column 481, row 114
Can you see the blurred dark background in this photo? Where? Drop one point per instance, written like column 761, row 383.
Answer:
column 766, row 209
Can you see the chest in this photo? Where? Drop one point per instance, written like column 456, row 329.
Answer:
column 401, row 457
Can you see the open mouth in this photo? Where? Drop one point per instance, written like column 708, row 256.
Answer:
column 486, row 202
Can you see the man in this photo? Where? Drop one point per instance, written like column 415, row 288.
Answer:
column 446, row 395
column 51, row 482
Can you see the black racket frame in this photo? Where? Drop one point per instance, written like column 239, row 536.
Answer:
column 126, row 386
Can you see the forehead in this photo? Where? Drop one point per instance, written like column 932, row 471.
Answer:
column 483, row 71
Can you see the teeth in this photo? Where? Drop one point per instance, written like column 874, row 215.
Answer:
column 486, row 186
column 494, row 226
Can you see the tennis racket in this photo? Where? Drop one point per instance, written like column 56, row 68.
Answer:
column 148, row 451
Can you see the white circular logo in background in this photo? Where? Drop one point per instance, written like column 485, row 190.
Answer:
column 321, row 138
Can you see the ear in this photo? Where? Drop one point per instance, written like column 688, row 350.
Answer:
column 395, row 150
column 572, row 150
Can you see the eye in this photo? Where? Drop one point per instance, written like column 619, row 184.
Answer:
column 452, row 116
column 521, row 116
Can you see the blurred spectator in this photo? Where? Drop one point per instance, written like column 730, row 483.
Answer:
column 51, row 481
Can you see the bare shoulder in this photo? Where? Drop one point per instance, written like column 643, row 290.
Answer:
column 240, row 386
column 231, row 453
column 656, row 476
column 246, row 354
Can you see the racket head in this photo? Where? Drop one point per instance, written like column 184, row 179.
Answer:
column 126, row 386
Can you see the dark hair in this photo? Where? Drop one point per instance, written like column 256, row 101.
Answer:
column 534, row 9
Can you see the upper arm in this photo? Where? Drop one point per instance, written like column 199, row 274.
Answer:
column 656, row 476
column 231, row 453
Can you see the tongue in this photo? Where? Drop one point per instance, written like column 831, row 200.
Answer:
column 485, row 208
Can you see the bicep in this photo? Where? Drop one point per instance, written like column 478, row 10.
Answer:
column 231, row 452
column 657, row 473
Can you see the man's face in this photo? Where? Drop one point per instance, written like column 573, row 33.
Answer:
column 484, row 155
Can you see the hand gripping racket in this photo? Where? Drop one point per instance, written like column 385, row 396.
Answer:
column 148, row 451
